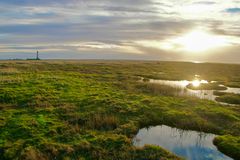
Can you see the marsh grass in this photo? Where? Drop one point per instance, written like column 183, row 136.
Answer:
column 229, row 98
column 217, row 93
column 102, row 122
column 31, row 153
column 229, row 145
column 208, row 86
column 158, row 89
column 233, row 84
column 91, row 109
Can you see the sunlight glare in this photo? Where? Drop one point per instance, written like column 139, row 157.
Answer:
column 198, row 41
column 196, row 83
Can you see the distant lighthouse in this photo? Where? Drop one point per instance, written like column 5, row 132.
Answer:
column 37, row 58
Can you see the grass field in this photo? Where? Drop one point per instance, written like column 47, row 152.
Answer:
column 92, row 109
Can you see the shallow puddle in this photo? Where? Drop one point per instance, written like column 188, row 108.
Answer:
column 191, row 145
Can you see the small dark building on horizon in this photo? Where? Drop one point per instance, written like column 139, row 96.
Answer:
column 37, row 57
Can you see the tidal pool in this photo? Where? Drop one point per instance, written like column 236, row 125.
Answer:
column 202, row 94
column 191, row 145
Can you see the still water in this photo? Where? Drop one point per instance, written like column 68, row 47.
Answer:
column 202, row 94
column 191, row 145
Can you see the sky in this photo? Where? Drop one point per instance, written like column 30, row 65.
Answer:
column 174, row 30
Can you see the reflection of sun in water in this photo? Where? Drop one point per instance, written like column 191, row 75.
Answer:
column 196, row 83
column 197, row 41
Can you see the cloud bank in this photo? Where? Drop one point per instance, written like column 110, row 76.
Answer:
column 110, row 29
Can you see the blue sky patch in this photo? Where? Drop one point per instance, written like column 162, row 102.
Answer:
column 233, row 10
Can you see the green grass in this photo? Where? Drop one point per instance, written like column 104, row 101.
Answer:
column 229, row 98
column 92, row 109
column 234, row 84
column 229, row 145
column 157, row 89
column 207, row 86
column 218, row 93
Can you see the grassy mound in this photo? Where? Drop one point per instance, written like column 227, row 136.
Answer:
column 229, row 145
column 207, row 86
column 233, row 84
column 229, row 98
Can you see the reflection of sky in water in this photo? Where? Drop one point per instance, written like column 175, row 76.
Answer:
column 189, row 144
column 233, row 90
column 202, row 94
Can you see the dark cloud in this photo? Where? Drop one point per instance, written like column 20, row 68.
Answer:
column 205, row 2
column 36, row 2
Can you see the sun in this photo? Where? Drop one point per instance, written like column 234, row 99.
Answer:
column 199, row 41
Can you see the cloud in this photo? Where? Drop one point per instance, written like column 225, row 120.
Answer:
column 205, row 2
column 108, row 28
